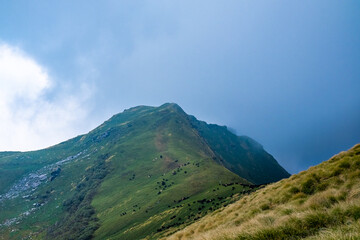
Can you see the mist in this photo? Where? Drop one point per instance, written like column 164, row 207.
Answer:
column 283, row 73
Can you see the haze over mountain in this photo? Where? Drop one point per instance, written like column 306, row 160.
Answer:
column 284, row 72
column 145, row 172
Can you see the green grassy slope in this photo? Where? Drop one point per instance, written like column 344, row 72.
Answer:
column 144, row 173
column 320, row 203
column 156, row 167
column 14, row 165
column 242, row 155
column 33, row 196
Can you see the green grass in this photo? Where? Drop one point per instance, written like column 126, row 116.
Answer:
column 160, row 175
column 314, row 204
column 243, row 155
column 79, row 221
column 158, row 154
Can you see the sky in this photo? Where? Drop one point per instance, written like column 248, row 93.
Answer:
column 285, row 73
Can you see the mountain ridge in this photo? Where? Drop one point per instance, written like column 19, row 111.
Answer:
column 142, row 173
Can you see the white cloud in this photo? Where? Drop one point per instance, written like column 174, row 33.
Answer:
column 34, row 112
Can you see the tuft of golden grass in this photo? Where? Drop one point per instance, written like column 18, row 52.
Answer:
column 343, row 232
column 320, row 203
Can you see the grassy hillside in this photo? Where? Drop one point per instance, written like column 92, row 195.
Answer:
column 241, row 155
column 38, row 184
column 320, row 203
column 144, row 173
column 159, row 170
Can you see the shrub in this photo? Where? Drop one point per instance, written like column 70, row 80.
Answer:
column 344, row 165
column 294, row 190
column 322, row 186
column 315, row 177
column 354, row 212
column 265, row 207
column 337, row 172
column 338, row 214
column 333, row 200
column 315, row 221
column 357, row 164
column 308, row 187
column 342, row 196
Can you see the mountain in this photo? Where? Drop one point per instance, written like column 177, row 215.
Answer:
column 320, row 203
column 144, row 173
column 241, row 155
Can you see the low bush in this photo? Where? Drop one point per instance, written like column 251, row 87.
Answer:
column 337, row 172
column 309, row 186
column 294, row 190
column 322, row 186
column 344, row 165
column 265, row 207
column 353, row 212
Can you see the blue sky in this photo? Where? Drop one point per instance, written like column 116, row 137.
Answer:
column 286, row 73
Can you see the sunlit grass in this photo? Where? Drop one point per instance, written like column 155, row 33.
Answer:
column 320, row 203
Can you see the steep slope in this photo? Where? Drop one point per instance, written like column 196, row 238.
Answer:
column 320, row 203
column 164, row 167
column 241, row 155
column 145, row 172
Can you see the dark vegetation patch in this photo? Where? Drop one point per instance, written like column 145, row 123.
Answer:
column 79, row 221
column 55, row 172
column 308, row 187
column 308, row 226
column 265, row 206
column 194, row 209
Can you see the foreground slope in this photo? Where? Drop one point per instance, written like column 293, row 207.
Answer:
column 144, row 173
column 320, row 203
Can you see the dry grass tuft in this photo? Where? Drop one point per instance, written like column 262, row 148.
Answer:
column 320, row 203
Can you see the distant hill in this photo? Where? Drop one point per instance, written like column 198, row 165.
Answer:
column 144, row 173
column 320, row 203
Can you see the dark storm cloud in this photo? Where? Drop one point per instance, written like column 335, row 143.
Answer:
column 284, row 73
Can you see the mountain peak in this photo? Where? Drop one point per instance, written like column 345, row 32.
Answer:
column 144, row 163
column 169, row 105
column 172, row 106
column 240, row 154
